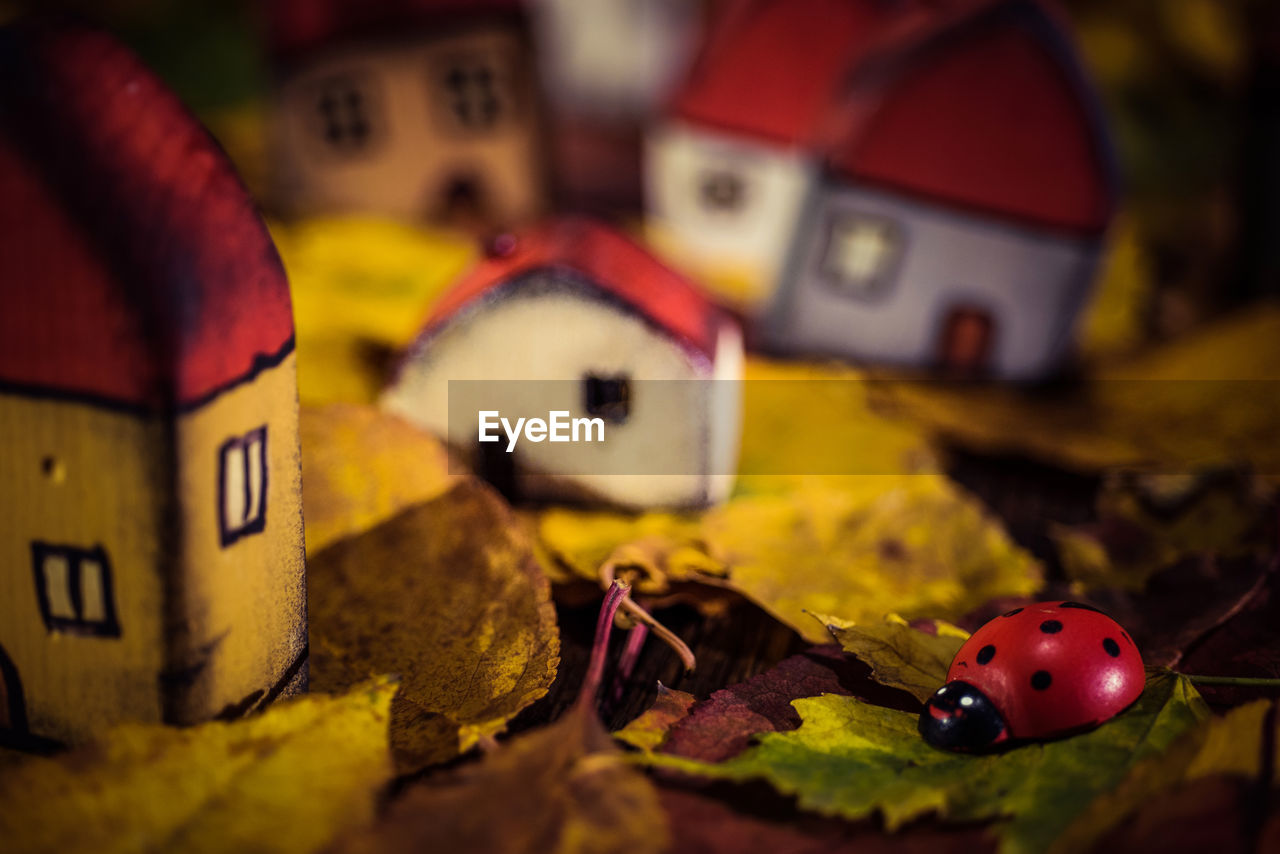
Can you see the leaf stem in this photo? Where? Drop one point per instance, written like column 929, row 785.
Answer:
column 617, row 594
column 670, row 638
column 1242, row 681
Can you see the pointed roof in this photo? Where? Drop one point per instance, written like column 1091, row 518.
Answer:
column 135, row 270
column 298, row 27
column 603, row 259
column 773, row 68
column 980, row 104
column 988, row 111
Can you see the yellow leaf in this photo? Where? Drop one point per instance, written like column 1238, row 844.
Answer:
column 911, row 544
column 649, row 730
column 289, row 780
column 1202, row 402
column 446, row 594
column 900, row 656
column 361, row 466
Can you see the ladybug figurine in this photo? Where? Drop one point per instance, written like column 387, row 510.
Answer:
column 1036, row 672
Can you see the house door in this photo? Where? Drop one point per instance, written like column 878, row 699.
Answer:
column 965, row 346
column 13, row 710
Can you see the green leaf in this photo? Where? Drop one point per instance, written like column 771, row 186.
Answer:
column 852, row 759
column 899, row 655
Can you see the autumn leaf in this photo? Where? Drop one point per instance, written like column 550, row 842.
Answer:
column 853, row 759
column 361, row 466
column 1234, row 745
column 703, row 825
column 565, row 788
column 649, row 730
column 900, row 656
column 806, row 422
column 288, row 780
column 1148, row 523
column 912, row 544
column 1197, row 403
column 446, row 594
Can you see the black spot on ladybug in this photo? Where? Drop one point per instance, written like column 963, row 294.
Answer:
column 1080, row 605
column 1112, row 648
column 1051, row 627
column 987, row 653
column 1011, row 613
column 1041, row 680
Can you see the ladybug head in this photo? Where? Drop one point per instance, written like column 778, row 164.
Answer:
column 960, row 717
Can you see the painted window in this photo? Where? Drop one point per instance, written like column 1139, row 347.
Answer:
column 722, row 191
column 861, row 254
column 344, row 112
column 242, row 485
column 607, row 397
column 74, row 589
column 472, row 92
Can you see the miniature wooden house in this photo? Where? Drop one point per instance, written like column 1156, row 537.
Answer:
column 972, row 117
column 410, row 108
column 575, row 317
column 151, row 549
column 963, row 211
column 729, row 169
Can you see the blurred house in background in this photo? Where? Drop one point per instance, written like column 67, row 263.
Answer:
column 412, row 108
column 912, row 182
column 967, row 193
column 608, row 67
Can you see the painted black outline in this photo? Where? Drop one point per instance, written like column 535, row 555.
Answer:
column 109, row 625
column 228, row 533
column 261, row 362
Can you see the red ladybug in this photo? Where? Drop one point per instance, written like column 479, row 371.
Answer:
column 1036, row 672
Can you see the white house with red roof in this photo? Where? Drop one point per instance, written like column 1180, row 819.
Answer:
column 923, row 183
column 968, row 191
column 574, row 317
column 729, row 170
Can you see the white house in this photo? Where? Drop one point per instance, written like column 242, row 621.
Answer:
column 574, row 318
column 960, row 219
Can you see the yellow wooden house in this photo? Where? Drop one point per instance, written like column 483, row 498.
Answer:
column 151, row 544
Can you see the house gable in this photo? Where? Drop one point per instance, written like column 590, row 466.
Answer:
column 992, row 115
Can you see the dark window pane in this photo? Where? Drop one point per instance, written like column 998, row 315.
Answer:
column 607, row 397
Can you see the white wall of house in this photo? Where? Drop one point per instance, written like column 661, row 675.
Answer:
column 560, row 336
column 874, row 275
column 751, row 228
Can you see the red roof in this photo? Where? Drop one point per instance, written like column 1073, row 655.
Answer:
column 773, row 68
column 296, row 27
column 991, row 113
column 134, row 267
column 610, row 262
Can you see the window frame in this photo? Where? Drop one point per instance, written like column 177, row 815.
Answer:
column 361, row 82
column 608, row 412
column 108, row 626
column 742, row 199
column 502, row 88
column 228, row 532
column 880, row 284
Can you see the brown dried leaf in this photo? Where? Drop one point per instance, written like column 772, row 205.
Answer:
column 447, row 594
column 899, row 655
